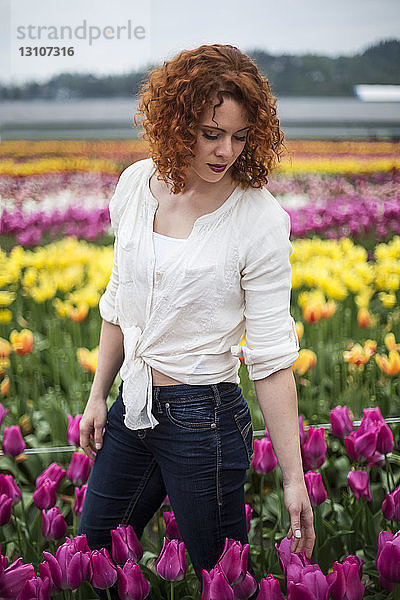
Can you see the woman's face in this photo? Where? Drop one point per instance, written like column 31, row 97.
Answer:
column 219, row 141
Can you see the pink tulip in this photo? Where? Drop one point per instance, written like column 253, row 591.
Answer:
column 233, row 560
column 35, row 589
column 45, row 496
column 376, row 460
column 79, row 543
column 315, row 488
column 246, row 588
column 52, row 569
column 391, row 505
column 249, row 515
column 53, row 472
column 79, row 468
column 171, row 528
column 132, row 585
column 10, row 488
column 73, row 433
column 388, row 558
column 270, row 589
column 309, row 582
column 291, row 562
column 80, row 494
column 216, row 585
column 302, row 431
column 341, row 423
column 3, row 412
column 102, row 572
column 359, row 484
column 5, row 509
column 349, row 442
column 54, row 526
column 374, row 434
column 313, row 450
column 14, row 578
column 125, row 544
column 264, row 459
column 45, row 571
column 171, row 563
column 13, row 442
column 345, row 579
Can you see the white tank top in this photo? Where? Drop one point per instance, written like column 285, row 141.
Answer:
column 165, row 246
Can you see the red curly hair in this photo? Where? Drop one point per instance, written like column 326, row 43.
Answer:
column 175, row 95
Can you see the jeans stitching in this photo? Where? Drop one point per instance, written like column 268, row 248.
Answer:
column 219, row 452
column 134, row 500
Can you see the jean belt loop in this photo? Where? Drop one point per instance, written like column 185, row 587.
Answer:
column 156, row 399
column 217, row 397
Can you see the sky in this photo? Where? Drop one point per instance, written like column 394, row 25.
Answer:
column 124, row 35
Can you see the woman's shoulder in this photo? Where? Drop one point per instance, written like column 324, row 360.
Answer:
column 260, row 207
column 130, row 177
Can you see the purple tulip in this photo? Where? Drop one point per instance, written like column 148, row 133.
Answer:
column 132, row 584
column 54, row 526
column 309, row 582
column 233, row 560
column 246, row 588
column 313, row 450
column 291, row 562
column 315, row 488
column 10, row 488
column 14, row 578
column 3, row 412
column 5, row 509
column 249, row 515
column 349, row 442
column 13, row 442
column 345, row 579
column 45, row 496
column 73, row 433
column 125, row 544
column 171, row 563
column 391, row 505
column 52, row 570
column 45, row 571
column 376, row 460
column 78, row 569
column 79, row 468
column 102, row 572
column 359, row 484
column 341, row 423
column 53, row 472
column 216, row 585
column 388, row 558
column 374, row 434
column 302, row 431
column 79, row 543
column 36, row 589
column 171, row 528
column 80, row 494
column 270, row 589
column 264, row 459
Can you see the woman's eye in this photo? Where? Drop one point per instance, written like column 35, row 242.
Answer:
column 241, row 139
column 210, row 137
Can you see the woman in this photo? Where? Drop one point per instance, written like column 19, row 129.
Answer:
column 201, row 254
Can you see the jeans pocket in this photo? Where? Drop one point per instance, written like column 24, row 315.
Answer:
column 245, row 426
column 192, row 415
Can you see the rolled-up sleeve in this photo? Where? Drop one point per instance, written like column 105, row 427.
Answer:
column 271, row 338
column 107, row 307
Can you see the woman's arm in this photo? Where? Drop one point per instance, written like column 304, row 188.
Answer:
column 277, row 397
column 109, row 362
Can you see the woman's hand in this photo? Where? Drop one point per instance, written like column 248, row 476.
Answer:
column 91, row 426
column 298, row 504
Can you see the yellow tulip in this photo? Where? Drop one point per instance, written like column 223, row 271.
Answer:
column 390, row 365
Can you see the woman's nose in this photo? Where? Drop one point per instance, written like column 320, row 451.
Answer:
column 224, row 148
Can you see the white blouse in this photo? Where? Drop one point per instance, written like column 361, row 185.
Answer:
column 187, row 316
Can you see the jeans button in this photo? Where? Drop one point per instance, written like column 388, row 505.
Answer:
column 213, row 425
column 167, row 405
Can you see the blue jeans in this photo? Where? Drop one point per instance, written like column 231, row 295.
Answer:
column 198, row 454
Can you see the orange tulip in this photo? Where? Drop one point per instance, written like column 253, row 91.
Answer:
column 5, row 386
column 313, row 312
column 5, row 348
column 390, row 342
column 79, row 314
column 306, row 360
column 299, row 329
column 22, row 342
column 88, row 359
column 364, row 318
column 390, row 365
column 357, row 355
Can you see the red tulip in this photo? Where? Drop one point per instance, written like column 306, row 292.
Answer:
column 341, row 423
column 264, row 459
column 125, row 544
column 13, row 442
column 315, row 488
column 79, row 468
column 132, row 585
column 359, row 484
column 171, row 563
column 45, row 496
column 54, row 526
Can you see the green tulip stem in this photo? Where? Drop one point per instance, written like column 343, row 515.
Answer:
column 17, row 527
column 172, row 590
column 389, row 470
column 108, row 593
column 396, row 591
column 74, row 521
column 262, row 522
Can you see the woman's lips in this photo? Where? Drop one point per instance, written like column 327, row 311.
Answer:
column 217, row 168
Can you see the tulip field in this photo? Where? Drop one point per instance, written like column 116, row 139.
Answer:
column 55, row 260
